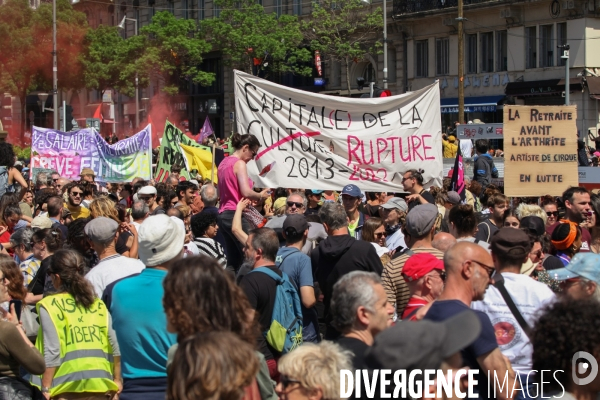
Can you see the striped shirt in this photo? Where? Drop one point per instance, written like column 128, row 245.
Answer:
column 211, row 248
column 395, row 287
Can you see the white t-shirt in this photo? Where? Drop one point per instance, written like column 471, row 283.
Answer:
column 397, row 239
column 471, row 239
column 111, row 269
column 530, row 296
column 466, row 147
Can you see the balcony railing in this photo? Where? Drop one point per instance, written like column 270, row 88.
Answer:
column 414, row 6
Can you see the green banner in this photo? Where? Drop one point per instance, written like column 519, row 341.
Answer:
column 170, row 153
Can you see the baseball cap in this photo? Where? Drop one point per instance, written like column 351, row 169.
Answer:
column 453, row 197
column 451, row 139
column 295, row 225
column 87, row 171
column 421, row 219
column 352, row 190
column 395, row 202
column 511, row 241
column 584, row 265
column 533, row 223
column 314, row 191
column 422, row 344
column 101, row 229
column 419, row 265
column 40, row 222
column 148, row 190
column 160, row 240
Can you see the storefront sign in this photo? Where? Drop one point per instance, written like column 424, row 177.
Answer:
column 479, row 131
column 321, row 142
column 540, row 150
column 70, row 152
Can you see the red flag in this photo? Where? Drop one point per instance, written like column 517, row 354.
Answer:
column 98, row 112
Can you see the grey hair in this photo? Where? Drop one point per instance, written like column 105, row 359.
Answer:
column 22, row 237
column 353, row 290
column 139, row 209
column 41, row 179
column 209, row 195
column 300, row 194
column 586, row 281
column 334, row 215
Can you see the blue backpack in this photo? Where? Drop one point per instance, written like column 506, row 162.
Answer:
column 285, row 332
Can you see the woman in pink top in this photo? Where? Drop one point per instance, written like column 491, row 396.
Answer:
column 234, row 185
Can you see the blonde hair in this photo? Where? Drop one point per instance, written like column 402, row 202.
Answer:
column 185, row 210
column 104, row 207
column 317, row 366
column 525, row 210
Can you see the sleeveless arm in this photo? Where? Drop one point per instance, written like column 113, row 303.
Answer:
column 241, row 173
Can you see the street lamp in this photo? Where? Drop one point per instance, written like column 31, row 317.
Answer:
column 137, row 94
column 385, row 53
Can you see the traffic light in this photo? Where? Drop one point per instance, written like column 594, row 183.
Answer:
column 68, row 118
column 381, row 93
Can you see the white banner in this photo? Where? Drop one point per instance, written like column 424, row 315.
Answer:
column 315, row 141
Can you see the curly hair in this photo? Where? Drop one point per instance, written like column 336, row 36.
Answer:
column 104, row 207
column 200, row 297
column 200, row 223
column 12, row 273
column 565, row 327
column 211, row 366
column 7, row 155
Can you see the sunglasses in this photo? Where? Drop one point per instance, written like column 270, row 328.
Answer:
column 55, row 180
column 490, row 270
column 293, row 203
column 76, row 194
column 442, row 275
column 408, row 177
column 552, row 213
column 380, row 234
column 286, row 381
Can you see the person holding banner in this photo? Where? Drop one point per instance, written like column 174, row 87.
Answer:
column 234, row 184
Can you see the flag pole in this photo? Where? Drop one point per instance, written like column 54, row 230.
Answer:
column 212, row 168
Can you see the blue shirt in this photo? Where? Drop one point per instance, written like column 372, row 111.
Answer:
column 441, row 310
column 298, row 267
column 140, row 322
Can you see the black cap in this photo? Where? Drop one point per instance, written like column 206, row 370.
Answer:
column 422, row 344
column 534, row 224
column 295, row 225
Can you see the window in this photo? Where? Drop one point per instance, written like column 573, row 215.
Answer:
column 184, row 9
column 369, row 73
column 487, row 51
column 442, row 56
column 392, row 65
column 471, row 59
column 530, row 46
column 421, row 58
column 278, row 7
column 561, row 39
column 501, row 51
column 336, row 73
column 200, row 10
column 546, row 46
column 216, row 10
column 297, row 5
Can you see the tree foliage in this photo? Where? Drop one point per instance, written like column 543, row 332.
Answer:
column 26, row 43
column 255, row 41
column 344, row 30
column 172, row 48
column 103, row 58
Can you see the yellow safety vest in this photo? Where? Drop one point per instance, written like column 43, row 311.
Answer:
column 86, row 356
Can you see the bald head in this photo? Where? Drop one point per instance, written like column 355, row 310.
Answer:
column 468, row 269
column 443, row 241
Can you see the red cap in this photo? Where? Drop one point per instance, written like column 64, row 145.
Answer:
column 419, row 265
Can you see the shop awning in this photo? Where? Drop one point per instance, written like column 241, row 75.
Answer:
column 541, row 88
column 472, row 104
column 593, row 83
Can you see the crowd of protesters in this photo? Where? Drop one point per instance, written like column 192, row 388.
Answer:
column 148, row 290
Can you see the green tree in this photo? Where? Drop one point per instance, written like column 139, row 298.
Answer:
column 26, row 43
column 344, row 30
column 103, row 58
column 255, row 41
column 171, row 48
